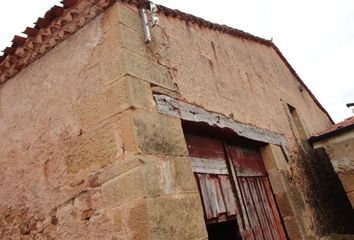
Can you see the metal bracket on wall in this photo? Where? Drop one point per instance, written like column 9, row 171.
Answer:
column 149, row 19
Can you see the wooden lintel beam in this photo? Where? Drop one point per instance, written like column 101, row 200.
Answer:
column 185, row 111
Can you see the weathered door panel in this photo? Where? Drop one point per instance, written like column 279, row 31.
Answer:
column 233, row 184
column 219, row 202
column 207, row 148
column 255, row 194
column 212, row 175
column 247, row 161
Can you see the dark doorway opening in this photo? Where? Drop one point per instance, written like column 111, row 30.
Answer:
column 234, row 186
column 223, row 231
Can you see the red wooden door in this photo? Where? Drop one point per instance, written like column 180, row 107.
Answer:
column 260, row 216
column 212, row 175
column 233, row 184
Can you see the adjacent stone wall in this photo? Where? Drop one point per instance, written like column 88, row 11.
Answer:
column 325, row 195
column 341, row 152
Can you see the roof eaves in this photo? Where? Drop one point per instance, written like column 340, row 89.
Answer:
column 214, row 26
column 327, row 135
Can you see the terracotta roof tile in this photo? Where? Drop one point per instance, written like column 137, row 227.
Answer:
column 9, row 50
column 346, row 124
column 68, row 3
column 55, row 24
column 30, row 31
column 18, row 41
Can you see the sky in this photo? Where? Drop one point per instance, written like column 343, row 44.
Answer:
column 316, row 37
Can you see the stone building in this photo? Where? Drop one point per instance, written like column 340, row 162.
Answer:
column 338, row 142
column 201, row 133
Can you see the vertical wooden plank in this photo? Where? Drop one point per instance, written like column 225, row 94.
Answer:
column 220, row 198
column 259, row 208
column 276, row 216
column 251, row 209
column 266, row 207
column 213, row 200
column 242, row 218
column 204, row 193
column 226, row 190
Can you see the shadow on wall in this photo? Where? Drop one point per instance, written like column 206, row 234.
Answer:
column 325, row 194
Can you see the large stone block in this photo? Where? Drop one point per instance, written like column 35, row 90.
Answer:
column 118, row 37
column 110, row 42
column 123, row 61
column 152, row 177
column 148, row 70
column 137, row 219
column 156, row 133
column 274, row 157
column 124, row 14
column 276, row 181
column 284, row 205
column 166, row 175
column 183, row 174
column 97, row 148
column 176, row 217
column 124, row 125
column 127, row 92
column 118, row 219
column 112, row 66
column 121, row 36
column 268, row 157
column 124, row 188
column 157, row 51
column 292, row 228
column 122, row 165
column 167, row 181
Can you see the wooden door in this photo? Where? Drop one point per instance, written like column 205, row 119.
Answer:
column 260, row 216
column 233, row 184
column 212, row 175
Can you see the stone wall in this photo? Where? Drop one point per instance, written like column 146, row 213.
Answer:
column 247, row 82
column 341, row 152
column 85, row 153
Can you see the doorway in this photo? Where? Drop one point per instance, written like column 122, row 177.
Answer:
column 233, row 184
